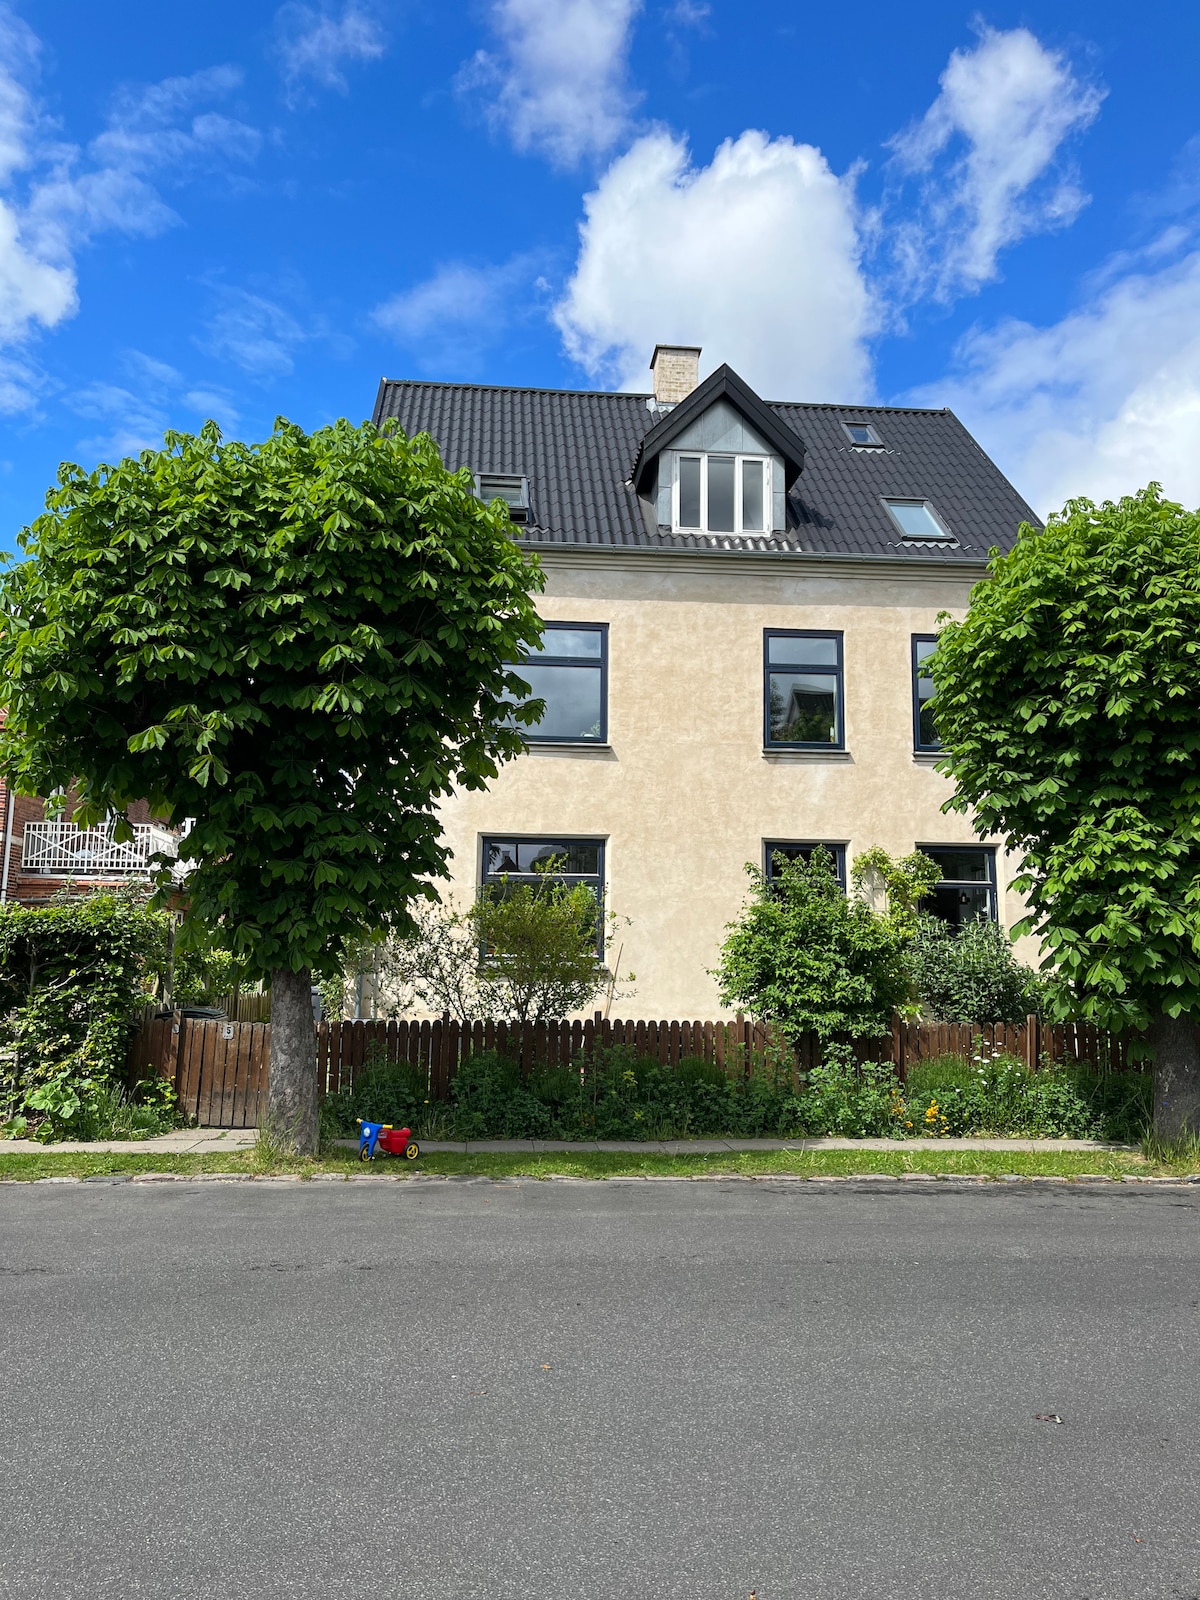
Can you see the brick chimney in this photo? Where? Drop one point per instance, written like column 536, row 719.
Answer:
column 676, row 369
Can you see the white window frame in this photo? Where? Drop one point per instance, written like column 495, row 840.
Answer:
column 739, row 458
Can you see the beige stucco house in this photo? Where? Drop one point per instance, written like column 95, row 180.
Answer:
column 738, row 595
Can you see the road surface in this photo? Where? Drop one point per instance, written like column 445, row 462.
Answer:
column 595, row 1390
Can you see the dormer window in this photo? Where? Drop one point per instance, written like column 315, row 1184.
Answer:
column 862, row 435
column 722, row 493
column 918, row 521
column 514, row 491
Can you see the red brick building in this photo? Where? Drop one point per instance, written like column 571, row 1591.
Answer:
column 40, row 855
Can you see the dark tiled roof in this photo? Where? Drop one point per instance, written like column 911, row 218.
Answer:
column 578, row 450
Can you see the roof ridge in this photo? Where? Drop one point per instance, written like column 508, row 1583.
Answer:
column 519, row 388
column 638, row 394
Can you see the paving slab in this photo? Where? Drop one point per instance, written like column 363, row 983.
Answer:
column 184, row 1141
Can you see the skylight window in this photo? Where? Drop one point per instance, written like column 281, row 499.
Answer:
column 916, row 519
column 513, row 490
column 863, row 435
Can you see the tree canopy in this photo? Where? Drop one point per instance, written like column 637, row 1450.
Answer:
column 300, row 646
column 1068, row 703
column 808, row 957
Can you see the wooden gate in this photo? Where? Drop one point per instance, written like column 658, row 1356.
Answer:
column 219, row 1069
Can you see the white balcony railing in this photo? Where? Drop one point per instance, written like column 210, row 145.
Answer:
column 61, row 850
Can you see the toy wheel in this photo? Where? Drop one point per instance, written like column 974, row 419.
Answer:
column 412, row 1150
column 364, row 1153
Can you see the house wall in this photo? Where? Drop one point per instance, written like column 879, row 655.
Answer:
column 684, row 794
column 34, row 888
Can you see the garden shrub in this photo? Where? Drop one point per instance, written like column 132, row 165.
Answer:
column 386, row 1091
column 809, row 958
column 618, row 1095
column 72, row 975
column 997, row 1094
column 971, row 974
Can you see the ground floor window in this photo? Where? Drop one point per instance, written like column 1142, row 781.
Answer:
column 510, row 861
column 968, row 886
column 801, row 850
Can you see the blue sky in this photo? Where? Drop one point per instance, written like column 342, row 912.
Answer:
column 250, row 210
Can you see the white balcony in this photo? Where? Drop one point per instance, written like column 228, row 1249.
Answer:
column 61, row 850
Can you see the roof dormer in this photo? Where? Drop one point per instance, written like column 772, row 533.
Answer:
column 719, row 461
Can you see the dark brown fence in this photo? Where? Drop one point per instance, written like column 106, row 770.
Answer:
column 220, row 1068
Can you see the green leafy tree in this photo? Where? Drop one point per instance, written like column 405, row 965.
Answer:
column 905, row 880
column 539, row 941
column 1068, row 703
column 522, row 951
column 970, row 974
column 807, row 957
column 300, row 645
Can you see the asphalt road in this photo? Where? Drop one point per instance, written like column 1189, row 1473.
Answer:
column 599, row 1390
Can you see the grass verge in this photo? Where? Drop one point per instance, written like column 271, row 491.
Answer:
column 590, row 1164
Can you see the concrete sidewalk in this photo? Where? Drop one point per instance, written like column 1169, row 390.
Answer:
column 183, row 1142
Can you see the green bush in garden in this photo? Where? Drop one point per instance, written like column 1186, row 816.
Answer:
column 970, row 974
column 619, row 1095
column 73, row 974
column 997, row 1094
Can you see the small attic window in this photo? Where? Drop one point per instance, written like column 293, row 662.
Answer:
column 863, row 435
column 514, row 491
column 917, row 520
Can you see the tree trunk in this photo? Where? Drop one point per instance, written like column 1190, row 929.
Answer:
column 292, row 1078
column 1176, row 1044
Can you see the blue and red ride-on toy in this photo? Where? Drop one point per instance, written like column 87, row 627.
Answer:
column 374, row 1136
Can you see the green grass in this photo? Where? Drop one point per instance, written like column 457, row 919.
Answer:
column 591, row 1164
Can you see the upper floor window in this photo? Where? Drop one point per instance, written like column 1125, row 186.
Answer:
column 722, row 494
column 802, row 689
column 512, row 489
column 924, row 727
column 916, row 519
column 968, row 886
column 791, row 851
column 569, row 671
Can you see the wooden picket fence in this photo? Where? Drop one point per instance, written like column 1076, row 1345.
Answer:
column 220, row 1068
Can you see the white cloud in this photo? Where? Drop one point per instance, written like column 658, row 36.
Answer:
column 20, row 386
column 135, row 418
column 313, row 45
column 152, row 131
column 1005, row 110
column 54, row 197
column 254, row 333
column 455, row 316
column 559, row 85
column 1097, row 404
column 755, row 257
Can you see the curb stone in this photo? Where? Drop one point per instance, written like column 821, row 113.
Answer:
column 951, row 1179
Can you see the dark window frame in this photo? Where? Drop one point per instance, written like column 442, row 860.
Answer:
column 945, row 534
column 874, row 442
column 837, row 851
column 839, row 670
column 989, row 884
column 919, row 744
column 518, row 509
column 596, row 879
column 531, row 734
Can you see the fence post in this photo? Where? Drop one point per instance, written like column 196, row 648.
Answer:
column 898, row 1060
column 1032, row 1052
